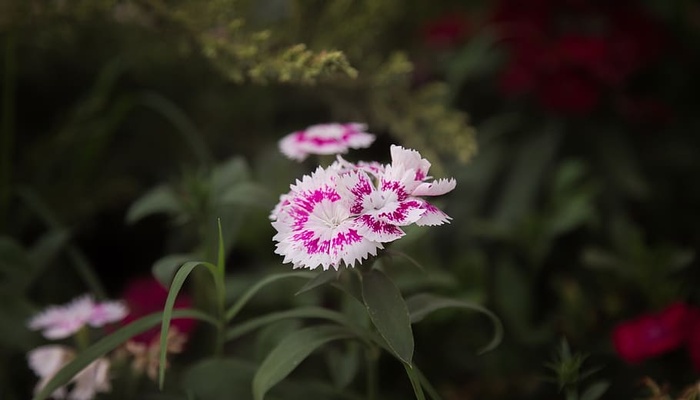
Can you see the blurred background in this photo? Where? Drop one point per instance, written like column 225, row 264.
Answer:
column 571, row 126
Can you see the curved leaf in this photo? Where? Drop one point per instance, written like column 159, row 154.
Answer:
column 238, row 305
column 421, row 305
column 175, row 287
column 290, row 352
column 109, row 343
column 388, row 313
column 321, row 279
column 248, row 194
column 161, row 199
column 304, row 312
column 165, row 268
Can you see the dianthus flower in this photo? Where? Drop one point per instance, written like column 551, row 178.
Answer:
column 344, row 213
column 325, row 139
column 58, row 322
column 46, row 361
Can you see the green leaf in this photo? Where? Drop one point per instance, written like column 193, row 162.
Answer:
column 219, row 378
column 15, row 264
column 290, row 352
column 388, row 313
column 175, row 287
column 305, row 312
column 420, row 305
column 248, row 194
column 48, row 247
column 14, row 334
column 595, row 391
column 238, row 305
column 230, row 173
column 109, row 343
column 165, row 268
column 321, row 279
column 161, row 199
column 415, row 381
column 343, row 365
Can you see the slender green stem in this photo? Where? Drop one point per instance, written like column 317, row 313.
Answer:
column 82, row 339
column 571, row 394
column 371, row 359
column 7, row 129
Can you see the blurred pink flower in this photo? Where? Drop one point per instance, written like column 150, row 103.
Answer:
column 58, row 322
column 325, row 139
column 145, row 296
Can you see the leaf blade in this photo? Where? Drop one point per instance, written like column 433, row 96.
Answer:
column 290, row 352
column 389, row 314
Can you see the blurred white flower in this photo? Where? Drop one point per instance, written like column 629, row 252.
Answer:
column 46, row 361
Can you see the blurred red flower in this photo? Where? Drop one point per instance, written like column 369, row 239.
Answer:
column 694, row 338
column 446, row 31
column 569, row 53
column 145, row 295
column 650, row 335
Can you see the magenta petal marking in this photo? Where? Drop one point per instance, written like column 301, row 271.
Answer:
column 378, row 230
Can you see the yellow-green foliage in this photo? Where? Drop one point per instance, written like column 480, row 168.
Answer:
column 348, row 48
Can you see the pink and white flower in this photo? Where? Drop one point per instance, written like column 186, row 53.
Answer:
column 344, row 213
column 58, row 322
column 46, row 361
column 315, row 227
column 333, row 138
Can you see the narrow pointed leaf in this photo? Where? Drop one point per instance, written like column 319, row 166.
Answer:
column 238, row 305
column 415, row 381
column 321, row 279
column 109, row 343
column 243, row 328
column 175, row 287
column 165, row 268
column 290, row 352
column 388, row 313
column 421, row 305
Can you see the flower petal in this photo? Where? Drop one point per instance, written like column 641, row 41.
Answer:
column 377, row 230
column 432, row 216
column 435, row 188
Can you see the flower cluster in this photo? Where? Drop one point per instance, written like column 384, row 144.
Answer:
column 331, row 138
column 651, row 335
column 59, row 322
column 142, row 297
column 344, row 213
column 569, row 54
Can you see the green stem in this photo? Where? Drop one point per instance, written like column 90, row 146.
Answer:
column 82, row 339
column 371, row 358
column 7, row 129
column 571, row 394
